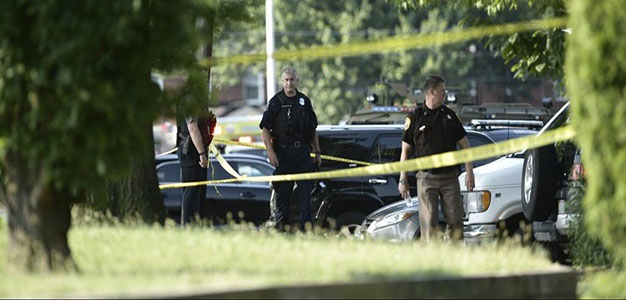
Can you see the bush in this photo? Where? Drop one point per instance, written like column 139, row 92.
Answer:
column 596, row 80
column 586, row 250
column 603, row 285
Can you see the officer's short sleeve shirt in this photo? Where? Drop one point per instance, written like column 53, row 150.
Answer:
column 313, row 115
column 432, row 131
column 409, row 123
column 184, row 107
column 271, row 110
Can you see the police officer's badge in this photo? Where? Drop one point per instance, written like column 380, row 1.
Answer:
column 302, row 101
column 407, row 123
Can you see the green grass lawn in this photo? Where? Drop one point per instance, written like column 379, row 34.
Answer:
column 605, row 284
column 117, row 259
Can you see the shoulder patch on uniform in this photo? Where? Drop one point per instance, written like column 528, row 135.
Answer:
column 456, row 115
column 407, row 123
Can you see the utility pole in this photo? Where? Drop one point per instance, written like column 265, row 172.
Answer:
column 269, row 49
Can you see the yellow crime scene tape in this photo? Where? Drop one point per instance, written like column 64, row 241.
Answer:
column 391, row 44
column 399, row 43
column 220, row 159
column 428, row 162
column 326, row 157
column 167, row 152
column 227, row 167
column 223, row 162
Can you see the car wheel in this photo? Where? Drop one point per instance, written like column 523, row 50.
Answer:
column 539, row 183
column 349, row 218
column 418, row 234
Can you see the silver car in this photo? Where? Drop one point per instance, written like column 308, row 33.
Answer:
column 399, row 221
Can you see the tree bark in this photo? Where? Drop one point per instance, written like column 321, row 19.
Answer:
column 39, row 218
column 137, row 194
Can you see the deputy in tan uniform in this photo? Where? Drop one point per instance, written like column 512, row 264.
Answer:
column 430, row 129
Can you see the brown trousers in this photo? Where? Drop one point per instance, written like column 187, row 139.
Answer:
column 431, row 188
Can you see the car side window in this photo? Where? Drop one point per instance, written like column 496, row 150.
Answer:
column 216, row 172
column 475, row 141
column 169, row 172
column 386, row 149
column 338, row 145
column 246, row 168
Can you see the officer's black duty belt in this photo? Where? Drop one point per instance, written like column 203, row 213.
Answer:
column 295, row 144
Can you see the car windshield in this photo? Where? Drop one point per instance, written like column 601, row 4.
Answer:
column 560, row 119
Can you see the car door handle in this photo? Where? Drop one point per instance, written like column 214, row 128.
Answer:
column 377, row 181
column 247, row 194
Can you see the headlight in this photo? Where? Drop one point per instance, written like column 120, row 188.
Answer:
column 476, row 201
column 395, row 218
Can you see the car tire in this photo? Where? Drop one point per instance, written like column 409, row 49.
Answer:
column 418, row 234
column 349, row 218
column 539, row 183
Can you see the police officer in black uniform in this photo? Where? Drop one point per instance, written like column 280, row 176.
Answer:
column 289, row 134
column 430, row 129
column 192, row 139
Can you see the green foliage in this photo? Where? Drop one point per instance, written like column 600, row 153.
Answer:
column 491, row 6
column 603, row 285
column 596, row 69
column 586, row 250
column 338, row 86
column 75, row 80
column 539, row 53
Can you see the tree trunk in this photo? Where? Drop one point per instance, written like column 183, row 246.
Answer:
column 137, row 194
column 39, row 218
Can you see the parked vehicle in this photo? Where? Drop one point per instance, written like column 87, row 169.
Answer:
column 511, row 111
column 380, row 115
column 494, row 204
column 246, row 150
column 547, row 174
column 239, row 201
column 340, row 202
column 502, row 130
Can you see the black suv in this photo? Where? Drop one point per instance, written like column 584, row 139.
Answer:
column 343, row 201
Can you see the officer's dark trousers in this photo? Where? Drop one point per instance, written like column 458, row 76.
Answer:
column 194, row 198
column 293, row 160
